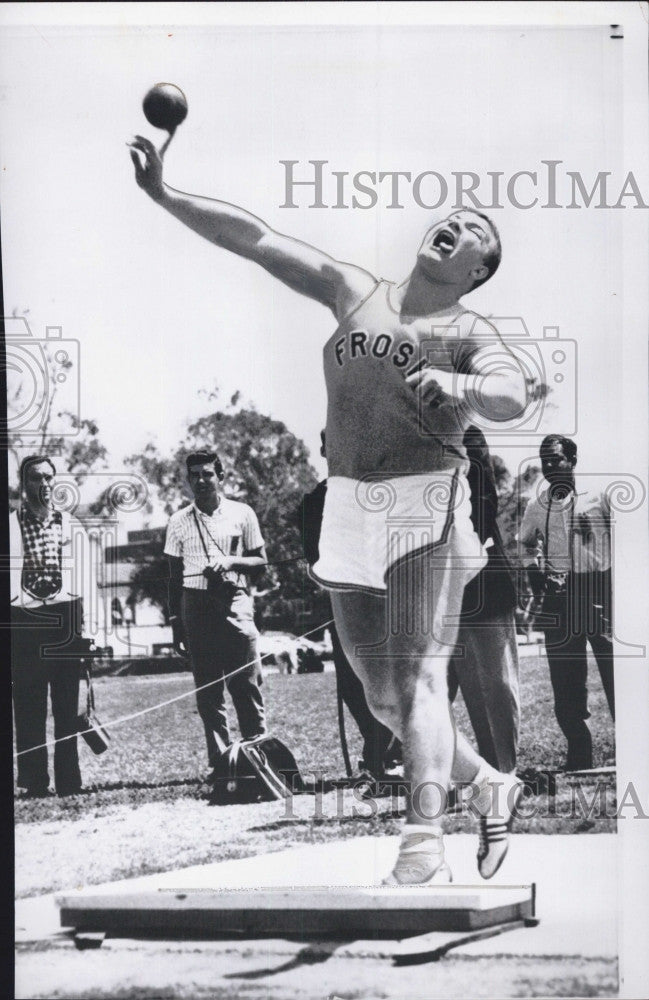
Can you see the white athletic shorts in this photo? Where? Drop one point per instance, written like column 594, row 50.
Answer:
column 371, row 525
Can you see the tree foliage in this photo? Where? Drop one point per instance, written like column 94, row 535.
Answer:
column 149, row 582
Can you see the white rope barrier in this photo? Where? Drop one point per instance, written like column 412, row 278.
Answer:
column 163, row 704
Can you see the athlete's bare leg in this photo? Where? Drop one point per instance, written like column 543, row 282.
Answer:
column 400, row 646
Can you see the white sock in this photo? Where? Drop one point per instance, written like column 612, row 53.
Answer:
column 484, row 773
column 432, row 831
column 493, row 788
column 481, row 788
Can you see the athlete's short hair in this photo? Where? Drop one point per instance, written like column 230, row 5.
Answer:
column 204, row 458
column 567, row 444
column 30, row 460
column 492, row 257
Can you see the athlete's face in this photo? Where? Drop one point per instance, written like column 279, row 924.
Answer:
column 453, row 251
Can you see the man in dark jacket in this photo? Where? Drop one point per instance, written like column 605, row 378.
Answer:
column 486, row 664
column 379, row 746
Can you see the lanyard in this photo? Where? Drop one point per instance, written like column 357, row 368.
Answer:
column 571, row 531
column 211, row 537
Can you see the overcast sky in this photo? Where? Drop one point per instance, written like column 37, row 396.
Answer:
column 159, row 313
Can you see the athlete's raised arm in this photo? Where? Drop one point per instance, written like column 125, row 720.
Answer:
column 335, row 284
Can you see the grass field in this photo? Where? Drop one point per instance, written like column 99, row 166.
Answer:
column 144, row 811
column 144, row 808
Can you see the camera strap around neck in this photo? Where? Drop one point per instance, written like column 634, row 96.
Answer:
column 90, row 694
column 209, row 534
column 571, row 533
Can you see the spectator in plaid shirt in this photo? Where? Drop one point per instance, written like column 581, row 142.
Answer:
column 50, row 573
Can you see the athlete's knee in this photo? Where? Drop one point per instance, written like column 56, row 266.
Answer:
column 422, row 692
column 428, row 679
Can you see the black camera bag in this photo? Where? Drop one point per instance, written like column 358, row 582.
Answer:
column 257, row 770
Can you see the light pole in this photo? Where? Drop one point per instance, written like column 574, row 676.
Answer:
column 128, row 621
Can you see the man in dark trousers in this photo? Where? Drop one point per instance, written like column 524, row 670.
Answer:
column 485, row 667
column 53, row 605
column 213, row 545
column 566, row 533
column 377, row 738
column 486, row 664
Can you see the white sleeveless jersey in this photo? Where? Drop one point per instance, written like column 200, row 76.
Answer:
column 395, row 485
column 376, row 423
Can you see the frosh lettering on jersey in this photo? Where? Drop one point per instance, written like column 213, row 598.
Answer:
column 360, row 344
column 368, row 359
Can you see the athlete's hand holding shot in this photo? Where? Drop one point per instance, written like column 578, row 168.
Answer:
column 407, row 369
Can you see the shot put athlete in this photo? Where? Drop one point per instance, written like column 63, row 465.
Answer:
column 407, row 369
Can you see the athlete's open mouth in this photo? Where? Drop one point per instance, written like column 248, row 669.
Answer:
column 445, row 241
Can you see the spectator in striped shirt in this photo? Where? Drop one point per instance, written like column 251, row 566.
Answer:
column 213, row 547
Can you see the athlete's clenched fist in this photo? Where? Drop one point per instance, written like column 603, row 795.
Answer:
column 433, row 385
